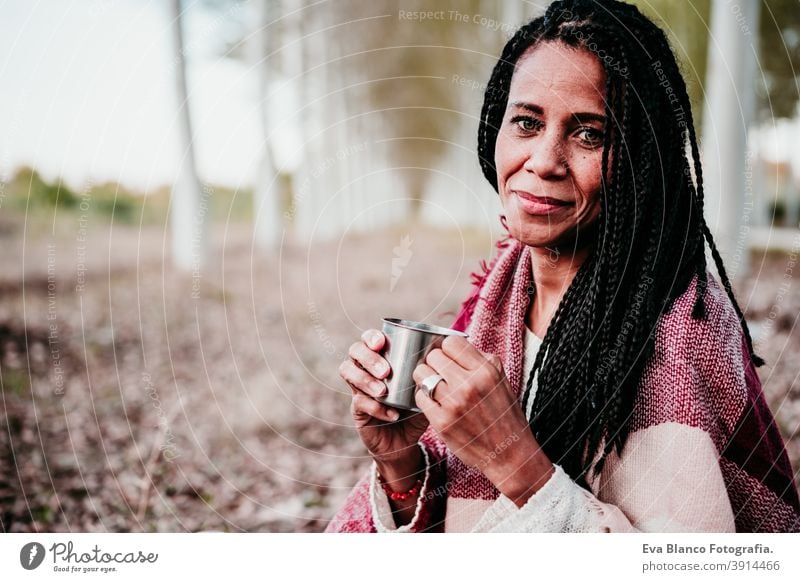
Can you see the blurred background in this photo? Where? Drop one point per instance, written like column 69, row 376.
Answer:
column 203, row 203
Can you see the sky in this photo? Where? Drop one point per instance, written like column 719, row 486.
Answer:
column 89, row 94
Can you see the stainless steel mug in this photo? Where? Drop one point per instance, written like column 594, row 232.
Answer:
column 407, row 345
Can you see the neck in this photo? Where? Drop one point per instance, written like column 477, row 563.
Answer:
column 553, row 271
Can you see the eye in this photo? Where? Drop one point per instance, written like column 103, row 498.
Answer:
column 526, row 124
column 590, row 136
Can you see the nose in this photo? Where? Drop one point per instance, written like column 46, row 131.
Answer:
column 546, row 157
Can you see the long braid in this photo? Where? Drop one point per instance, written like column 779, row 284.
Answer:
column 757, row 361
column 622, row 204
column 726, row 283
column 706, row 232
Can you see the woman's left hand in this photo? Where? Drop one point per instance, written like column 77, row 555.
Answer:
column 477, row 415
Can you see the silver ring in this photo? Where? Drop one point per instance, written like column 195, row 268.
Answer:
column 429, row 385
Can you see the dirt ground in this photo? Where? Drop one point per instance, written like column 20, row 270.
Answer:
column 140, row 398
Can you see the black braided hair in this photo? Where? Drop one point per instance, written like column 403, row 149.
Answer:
column 651, row 233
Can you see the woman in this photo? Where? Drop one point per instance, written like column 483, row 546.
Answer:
column 608, row 383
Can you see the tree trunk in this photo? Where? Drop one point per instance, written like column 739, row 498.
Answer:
column 268, row 194
column 729, row 111
column 189, row 203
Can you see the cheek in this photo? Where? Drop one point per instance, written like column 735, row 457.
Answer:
column 506, row 157
column 587, row 171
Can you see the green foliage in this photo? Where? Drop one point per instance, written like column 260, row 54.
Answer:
column 28, row 189
column 16, row 382
column 42, row 514
column 779, row 55
column 29, row 192
column 111, row 199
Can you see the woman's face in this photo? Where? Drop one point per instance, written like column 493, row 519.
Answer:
column 550, row 145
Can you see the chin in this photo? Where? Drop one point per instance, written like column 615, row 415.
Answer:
column 537, row 238
column 551, row 231
column 535, row 233
column 542, row 243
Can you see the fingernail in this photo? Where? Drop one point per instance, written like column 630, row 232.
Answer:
column 382, row 369
column 394, row 415
column 379, row 388
column 374, row 338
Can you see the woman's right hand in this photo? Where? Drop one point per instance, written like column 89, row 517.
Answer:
column 390, row 435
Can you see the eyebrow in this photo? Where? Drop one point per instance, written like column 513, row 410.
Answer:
column 582, row 117
column 529, row 106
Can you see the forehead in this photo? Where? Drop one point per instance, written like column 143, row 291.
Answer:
column 554, row 73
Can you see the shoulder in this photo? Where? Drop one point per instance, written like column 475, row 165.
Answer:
column 696, row 374
column 716, row 335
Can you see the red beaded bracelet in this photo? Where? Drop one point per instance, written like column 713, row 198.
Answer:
column 400, row 495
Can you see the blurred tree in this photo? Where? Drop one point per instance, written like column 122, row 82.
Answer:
column 269, row 191
column 779, row 30
column 28, row 190
column 686, row 25
column 409, row 65
column 186, row 212
column 251, row 32
column 393, row 77
column 398, row 69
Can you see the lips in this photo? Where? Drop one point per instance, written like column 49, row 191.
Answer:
column 538, row 205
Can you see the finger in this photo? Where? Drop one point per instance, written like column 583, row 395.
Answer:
column 463, row 353
column 361, row 379
column 429, row 407
column 446, row 367
column 374, row 339
column 363, row 407
column 371, row 361
column 421, row 372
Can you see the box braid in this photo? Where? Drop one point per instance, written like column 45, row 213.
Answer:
column 651, row 233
